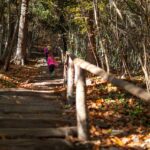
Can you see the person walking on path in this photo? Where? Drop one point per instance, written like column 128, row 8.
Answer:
column 46, row 53
column 52, row 64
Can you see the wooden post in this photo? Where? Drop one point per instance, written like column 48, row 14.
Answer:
column 70, row 81
column 65, row 69
column 62, row 54
column 81, row 110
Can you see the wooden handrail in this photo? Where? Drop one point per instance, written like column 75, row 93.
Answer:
column 81, row 109
column 131, row 88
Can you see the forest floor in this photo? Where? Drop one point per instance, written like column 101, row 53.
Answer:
column 118, row 120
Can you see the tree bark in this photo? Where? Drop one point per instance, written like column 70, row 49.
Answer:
column 21, row 45
column 62, row 22
column 1, row 27
column 92, row 54
column 10, row 48
column 8, row 32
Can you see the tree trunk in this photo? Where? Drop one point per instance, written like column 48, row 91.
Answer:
column 92, row 54
column 62, row 22
column 1, row 26
column 10, row 48
column 21, row 45
column 8, row 31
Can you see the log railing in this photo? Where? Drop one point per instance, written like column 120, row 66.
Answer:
column 75, row 74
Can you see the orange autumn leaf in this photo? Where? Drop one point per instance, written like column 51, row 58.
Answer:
column 93, row 129
column 117, row 141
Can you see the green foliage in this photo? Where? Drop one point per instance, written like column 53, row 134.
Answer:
column 101, row 6
column 76, row 19
column 41, row 12
column 67, row 106
column 136, row 111
column 44, row 12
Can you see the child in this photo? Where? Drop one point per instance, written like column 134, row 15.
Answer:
column 46, row 52
column 51, row 62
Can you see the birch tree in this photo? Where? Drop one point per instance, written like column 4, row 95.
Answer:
column 21, row 44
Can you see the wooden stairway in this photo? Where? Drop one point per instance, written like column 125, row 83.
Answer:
column 34, row 120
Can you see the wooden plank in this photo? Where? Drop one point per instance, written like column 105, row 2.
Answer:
column 61, row 132
column 42, row 105
column 49, row 82
column 37, row 123
column 22, row 90
column 13, row 99
column 30, row 115
column 29, row 108
column 25, row 92
column 36, row 144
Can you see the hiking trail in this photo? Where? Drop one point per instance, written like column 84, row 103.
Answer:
column 35, row 118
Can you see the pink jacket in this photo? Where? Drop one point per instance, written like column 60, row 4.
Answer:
column 51, row 61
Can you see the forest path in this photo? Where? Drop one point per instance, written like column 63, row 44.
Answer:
column 35, row 119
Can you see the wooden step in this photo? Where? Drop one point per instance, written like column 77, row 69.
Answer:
column 14, row 99
column 60, row 132
column 14, row 108
column 36, row 144
column 30, row 115
column 26, row 92
column 55, row 82
column 30, row 123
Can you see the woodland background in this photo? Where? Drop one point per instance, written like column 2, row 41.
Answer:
column 112, row 34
